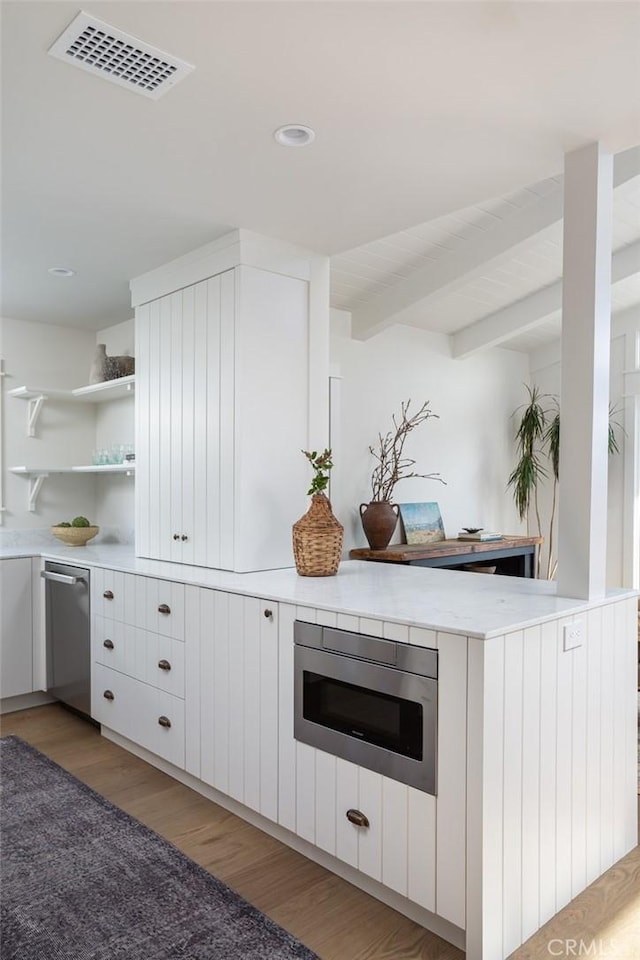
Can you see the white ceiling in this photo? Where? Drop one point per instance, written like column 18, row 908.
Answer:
column 421, row 110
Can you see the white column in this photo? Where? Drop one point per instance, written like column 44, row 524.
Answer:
column 631, row 442
column 586, row 332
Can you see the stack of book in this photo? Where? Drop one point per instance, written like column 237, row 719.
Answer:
column 479, row 535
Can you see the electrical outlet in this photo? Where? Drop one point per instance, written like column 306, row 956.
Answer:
column 573, row 635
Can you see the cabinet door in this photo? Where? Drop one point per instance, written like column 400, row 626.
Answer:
column 181, row 438
column 16, row 627
column 239, row 698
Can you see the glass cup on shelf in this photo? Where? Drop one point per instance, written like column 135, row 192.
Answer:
column 117, row 453
column 99, row 457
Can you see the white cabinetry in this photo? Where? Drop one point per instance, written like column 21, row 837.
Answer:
column 222, row 413
column 16, row 627
column 238, row 693
column 138, row 654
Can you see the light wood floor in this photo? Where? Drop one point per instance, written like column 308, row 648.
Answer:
column 332, row 917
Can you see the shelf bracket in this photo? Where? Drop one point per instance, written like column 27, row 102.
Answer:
column 35, row 483
column 35, row 406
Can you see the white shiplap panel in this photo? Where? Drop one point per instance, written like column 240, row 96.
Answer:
column 452, row 761
column 227, row 413
column 187, row 463
column 579, row 765
column 594, row 753
column 217, row 633
column 629, row 628
column 563, row 771
column 421, row 865
column 268, row 733
column 395, row 807
column 173, row 427
column 512, row 793
column 370, row 838
column 155, row 431
column 325, row 771
column 286, row 743
column 237, row 731
column 192, row 690
column 163, row 516
column 214, row 375
column 252, row 705
column 209, row 641
column 130, row 583
column 306, row 792
column 142, row 420
column 347, row 796
column 205, row 489
column 531, row 782
column 607, row 814
column 621, row 686
column 325, row 828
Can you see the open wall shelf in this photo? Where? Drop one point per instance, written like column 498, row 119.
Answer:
column 94, row 393
column 37, row 475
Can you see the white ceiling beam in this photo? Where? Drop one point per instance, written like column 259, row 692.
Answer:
column 525, row 314
column 404, row 302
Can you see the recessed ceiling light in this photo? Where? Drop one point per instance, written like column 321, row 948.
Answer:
column 61, row 272
column 294, row 135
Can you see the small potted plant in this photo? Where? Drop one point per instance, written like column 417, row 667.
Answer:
column 318, row 536
column 380, row 515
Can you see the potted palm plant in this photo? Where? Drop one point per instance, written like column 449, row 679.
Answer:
column 380, row 515
column 318, row 536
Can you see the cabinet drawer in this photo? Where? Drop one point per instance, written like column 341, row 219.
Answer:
column 140, row 654
column 144, row 602
column 148, row 716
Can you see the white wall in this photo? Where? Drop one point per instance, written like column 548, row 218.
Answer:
column 545, row 373
column 43, row 355
column 115, row 424
column 470, row 444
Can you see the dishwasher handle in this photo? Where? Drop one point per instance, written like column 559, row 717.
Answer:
column 61, row 577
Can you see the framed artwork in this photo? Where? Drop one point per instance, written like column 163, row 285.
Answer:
column 422, row 522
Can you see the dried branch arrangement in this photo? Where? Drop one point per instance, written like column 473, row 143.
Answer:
column 392, row 465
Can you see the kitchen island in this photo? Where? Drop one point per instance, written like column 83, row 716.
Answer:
column 536, row 748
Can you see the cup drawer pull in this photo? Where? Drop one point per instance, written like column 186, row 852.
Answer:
column 358, row 818
column 108, row 695
column 164, row 722
column 108, row 644
column 163, row 608
column 108, row 594
column 164, row 664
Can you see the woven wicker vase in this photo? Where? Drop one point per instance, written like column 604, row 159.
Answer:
column 317, row 540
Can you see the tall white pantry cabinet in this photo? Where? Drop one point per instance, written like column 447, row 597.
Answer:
column 222, row 405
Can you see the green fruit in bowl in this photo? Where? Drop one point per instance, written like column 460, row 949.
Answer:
column 64, row 523
column 80, row 522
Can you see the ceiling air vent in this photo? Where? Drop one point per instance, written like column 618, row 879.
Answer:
column 101, row 49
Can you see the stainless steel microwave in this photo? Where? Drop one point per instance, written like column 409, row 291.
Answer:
column 371, row 701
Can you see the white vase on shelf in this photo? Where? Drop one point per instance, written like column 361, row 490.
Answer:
column 97, row 371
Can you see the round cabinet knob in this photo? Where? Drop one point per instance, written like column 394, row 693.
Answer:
column 108, row 644
column 164, row 722
column 184, row 537
column 358, row 818
column 108, row 595
column 108, row 695
column 176, row 536
column 268, row 614
column 163, row 608
column 164, row 664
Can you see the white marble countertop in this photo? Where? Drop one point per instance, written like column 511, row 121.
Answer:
column 444, row 600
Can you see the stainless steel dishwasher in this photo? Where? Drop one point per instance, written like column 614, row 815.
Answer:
column 68, row 634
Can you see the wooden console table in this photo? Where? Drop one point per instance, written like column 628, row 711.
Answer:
column 513, row 556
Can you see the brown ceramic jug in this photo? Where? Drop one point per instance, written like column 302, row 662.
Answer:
column 379, row 519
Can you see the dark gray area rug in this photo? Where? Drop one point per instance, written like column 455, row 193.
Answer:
column 82, row 880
